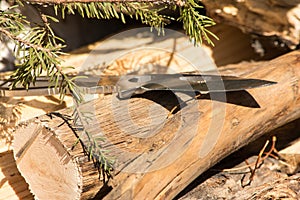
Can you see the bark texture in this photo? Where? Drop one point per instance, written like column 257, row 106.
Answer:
column 157, row 155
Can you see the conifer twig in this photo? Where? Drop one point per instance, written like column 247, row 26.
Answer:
column 20, row 40
column 110, row 1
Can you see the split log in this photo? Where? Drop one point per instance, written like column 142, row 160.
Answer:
column 156, row 156
column 13, row 185
column 269, row 18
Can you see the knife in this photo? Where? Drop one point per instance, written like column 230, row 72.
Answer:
column 127, row 85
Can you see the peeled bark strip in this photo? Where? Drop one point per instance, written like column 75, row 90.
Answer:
column 157, row 156
column 268, row 18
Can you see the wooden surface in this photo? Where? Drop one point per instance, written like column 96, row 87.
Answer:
column 15, row 110
column 157, row 156
column 226, row 179
column 269, row 18
column 12, row 184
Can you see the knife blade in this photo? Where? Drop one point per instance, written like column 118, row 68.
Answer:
column 132, row 84
column 128, row 85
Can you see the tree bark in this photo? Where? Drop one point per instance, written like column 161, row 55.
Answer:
column 157, row 154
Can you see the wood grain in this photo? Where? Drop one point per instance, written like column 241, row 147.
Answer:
column 158, row 156
column 12, row 184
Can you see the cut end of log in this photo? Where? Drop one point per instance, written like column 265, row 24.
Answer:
column 46, row 164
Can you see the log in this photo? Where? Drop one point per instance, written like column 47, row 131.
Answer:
column 226, row 179
column 157, row 154
column 268, row 18
column 20, row 109
column 13, row 185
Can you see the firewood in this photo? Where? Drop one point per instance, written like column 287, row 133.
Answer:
column 274, row 18
column 156, row 156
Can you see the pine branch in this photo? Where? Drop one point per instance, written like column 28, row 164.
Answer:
column 144, row 12
column 148, row 12
column 25, row 42
column 196, row 24
column 36, row 50
column 107, row 1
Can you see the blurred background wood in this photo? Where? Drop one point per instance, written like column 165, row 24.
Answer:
column 275, row 18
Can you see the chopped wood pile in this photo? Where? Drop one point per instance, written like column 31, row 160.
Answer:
column 213, row 147
column 147, row 165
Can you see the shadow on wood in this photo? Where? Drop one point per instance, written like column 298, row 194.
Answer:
column 240, row 98
column 170, row 100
